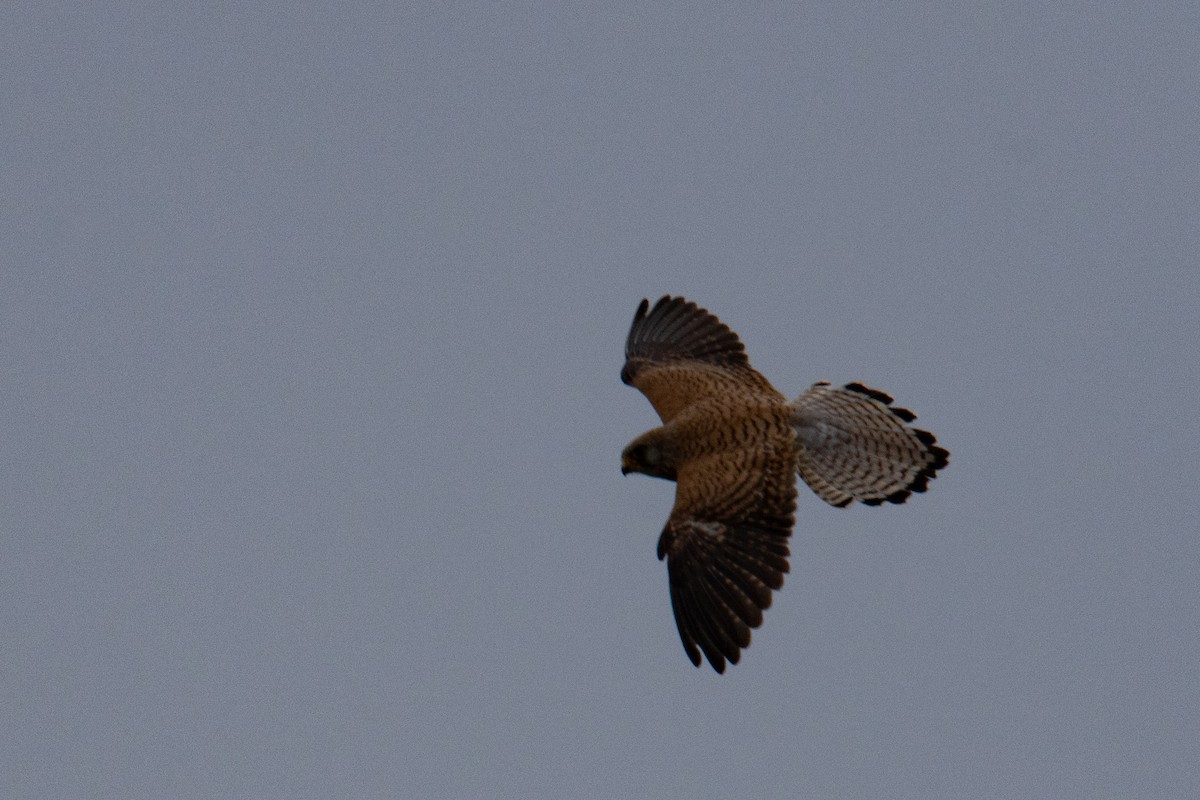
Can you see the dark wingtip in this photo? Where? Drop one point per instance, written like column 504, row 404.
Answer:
column 675, row 328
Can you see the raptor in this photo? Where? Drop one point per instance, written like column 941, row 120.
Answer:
column 734, row 445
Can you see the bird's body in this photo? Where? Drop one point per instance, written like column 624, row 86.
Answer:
column 733, row 444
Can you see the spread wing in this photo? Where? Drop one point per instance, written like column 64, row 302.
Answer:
column 726, row 545
column 678, row 353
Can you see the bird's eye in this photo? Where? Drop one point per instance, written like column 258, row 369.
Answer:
column 650, row 455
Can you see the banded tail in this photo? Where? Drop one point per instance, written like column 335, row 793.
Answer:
column 854, row 445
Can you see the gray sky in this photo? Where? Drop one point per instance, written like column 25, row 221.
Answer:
column 312, row 322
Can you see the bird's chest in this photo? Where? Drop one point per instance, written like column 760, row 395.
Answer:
column 730, row 427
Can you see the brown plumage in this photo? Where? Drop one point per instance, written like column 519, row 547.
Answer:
column 733, row 445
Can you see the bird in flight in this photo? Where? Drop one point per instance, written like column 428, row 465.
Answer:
column 733, row 445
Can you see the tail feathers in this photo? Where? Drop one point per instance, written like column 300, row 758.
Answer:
column 855, row 445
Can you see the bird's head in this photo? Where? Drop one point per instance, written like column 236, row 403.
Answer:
column 649, row 454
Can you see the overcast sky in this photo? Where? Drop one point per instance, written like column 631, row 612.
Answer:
column 312, row 318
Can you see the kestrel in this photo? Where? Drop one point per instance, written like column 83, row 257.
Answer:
column 733, row 445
